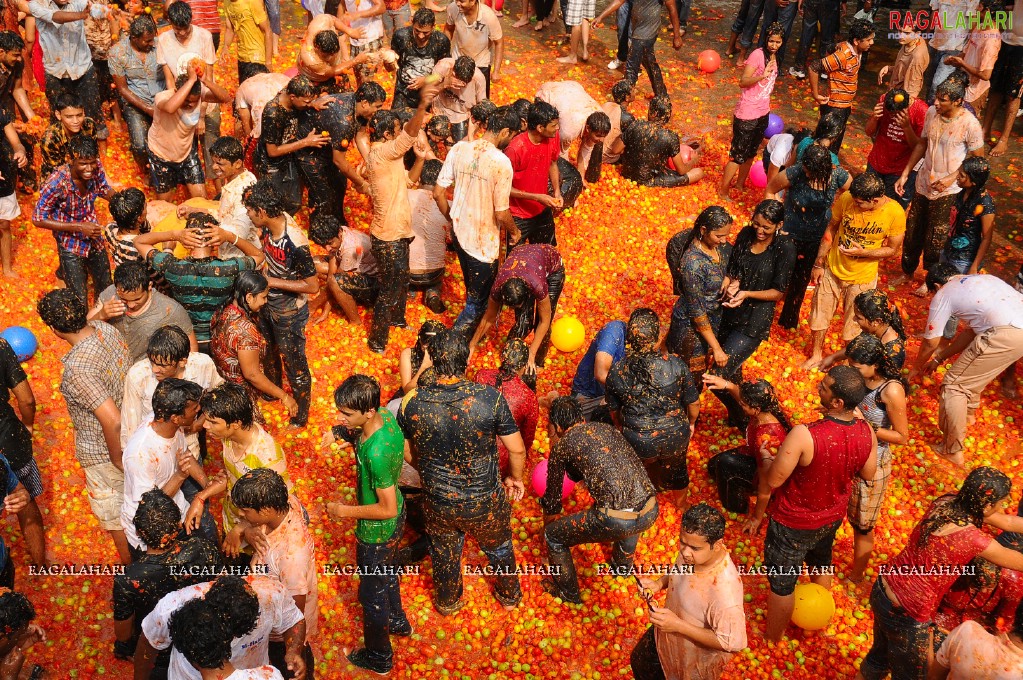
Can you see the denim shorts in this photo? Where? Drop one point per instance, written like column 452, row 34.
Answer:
column 788, row 549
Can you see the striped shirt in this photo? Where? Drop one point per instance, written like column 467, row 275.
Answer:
column 60, row 201
column 204, row 14
column 842, row 67
column 287, row 258
column 201, row 285
column 122, row 248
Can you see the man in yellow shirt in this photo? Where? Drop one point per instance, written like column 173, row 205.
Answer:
column 247, row 19
column 866, row 227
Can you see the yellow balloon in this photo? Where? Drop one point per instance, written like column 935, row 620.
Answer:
column 568, row 334
column 814, row 606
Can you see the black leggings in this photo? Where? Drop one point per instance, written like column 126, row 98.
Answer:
column 733, row 472
column 806, row 253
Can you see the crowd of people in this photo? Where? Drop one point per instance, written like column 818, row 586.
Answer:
column 181, row 318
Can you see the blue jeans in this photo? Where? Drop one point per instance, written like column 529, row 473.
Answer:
column 642, row 53
column 75, row 271
column 740, row 18
column 380, row 595
column 207, row 527
column 592, row 525
column 138, row 123
column 623, row 17
column 273, row 14
column 909, row 191
column 941, row 69
column 683, row 7
column 786, row 16
column 749, row 24
column 285, row 336
column 900, row 641
column 815, row 14
column 479, row 278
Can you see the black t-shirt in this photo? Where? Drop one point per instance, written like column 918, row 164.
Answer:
column 657, row 406
column 15, row 439
column 8, row 168
column 416, row 62
column 453, row 428
column 770, row 270
column 8, row 81
column 673, row 252
column 969, row 209
column 648, row 148
column 337, row 119
column 279, row 126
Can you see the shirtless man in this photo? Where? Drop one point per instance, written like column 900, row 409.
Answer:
column 324, row 56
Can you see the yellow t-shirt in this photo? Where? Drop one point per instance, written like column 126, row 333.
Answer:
column 245, row 17
column 868, row 230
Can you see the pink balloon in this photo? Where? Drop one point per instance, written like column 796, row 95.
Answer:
column 757, row 175
column 686, row 152
column 291, row 72
column 539, row 480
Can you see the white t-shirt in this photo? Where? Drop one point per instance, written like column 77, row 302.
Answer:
column 256, row 92
column 981, row 300
column 482, row 176
column 426, row 252
column 574, row 105
column 972, row 653
column 233, row 216
column 1014, row 36
column 779, row 148
column 261, row 673
column 277, row 613
column 373, row 26
column 149, row 462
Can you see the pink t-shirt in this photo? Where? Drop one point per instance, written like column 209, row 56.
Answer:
column 172, row 135
column 755, row 100
column 972, row 653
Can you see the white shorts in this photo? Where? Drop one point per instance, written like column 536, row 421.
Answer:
column 9, row 208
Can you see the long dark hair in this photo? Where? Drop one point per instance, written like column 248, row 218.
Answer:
column 760, row 394
column 712, row 218
column 817, row 165
column 982, row 487
column 249, row 283
column 514, row 356
column 875, row 306
column 868, row 350
column 430, row 329
column 641, row 338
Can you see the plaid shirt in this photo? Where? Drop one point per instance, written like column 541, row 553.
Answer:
column 60, row 201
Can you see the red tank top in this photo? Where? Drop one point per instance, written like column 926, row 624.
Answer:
column 818, row 494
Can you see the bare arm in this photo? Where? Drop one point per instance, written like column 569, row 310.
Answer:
column 309, row 286
column 778, row 183
column 602, row 363
column 109, row 417
column 497, row 47
column 385, row 508
column 268, row 44
column 145, row 657
column 173, row 103
column 122, row 89
column 26, row 403
column 790, row 453
column 440, row 195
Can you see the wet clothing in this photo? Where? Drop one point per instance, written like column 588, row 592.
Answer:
column 415, row 62
column 648, row 148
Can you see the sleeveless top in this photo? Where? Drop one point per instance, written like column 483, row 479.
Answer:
column 876, row 414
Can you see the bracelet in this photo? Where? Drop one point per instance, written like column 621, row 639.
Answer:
column 818, row 266
column 235, row 242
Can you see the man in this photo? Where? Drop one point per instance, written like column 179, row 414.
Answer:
column 812, row 479
column 866, row 228
column 365, row 16
column 475, row 32
column 67, row 59
column 321, row 59
column 979, row 56
column 463, row 85
column 349, row 270
column 993, row 310
column 202, row 281
column 1006, row 83
column 391, row 227
column 379, row 448
column 171, row 561
column 204, row 16
column 419, row 47
column 649, row 146
column 12, row 89
column 432, row 231
column 842, row 69
column 820, row 18
column 458, row 461
column 16, row 447
column 574, row 105
column 972, row 653
column 618, row 119
column 578, row 15
column 948, row 36
column 480, row 217
column 134, row 69
column 624, row 499
column 263, row 500
column 137, row 311
column 92, row 386
column 247, row 19
column 252, row 97
column 949, row 135
column 910, row 64
column 253, row 608
column 20, row 634
column 702, row 623
column 646, row 24
column 292, row 276
column 606, row 350
column 534, row 158
column 895, row 125
column 67, row 207
column 71, row 122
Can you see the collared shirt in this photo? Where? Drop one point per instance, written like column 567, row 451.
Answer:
column 842, row 67
column 482, row 177
column 54, row 145
column 233, row 216
column 388, row 187
column 473, row 39
column 60, row 201
column 66, row 52
column 141, row 71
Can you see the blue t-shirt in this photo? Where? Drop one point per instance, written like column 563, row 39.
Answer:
column 805, row 144
column 10, row 485
column 610, row 340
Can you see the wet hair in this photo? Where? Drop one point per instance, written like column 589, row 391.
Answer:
column 771, row 210
column 63, row 311
column 450, row 353
column 199, row 633
column 620, row 91
column 978, row 170
column 847, row 385
column 127, row 206
column 953, row 89
column 226, row 147
column 830, row 126
column 229, row 402
column 263, row 196
column 659, row 108
column 874, row 306
column 371, row 92
column 775, row 29
column 464, row 68
column 201, row 221
column 514, row 292
column 359, row 393
column 323, row 228
column 430, row 172
column 541, row 114
column 565, row 413
column 16, row 612
column 521, row 108
column 236, row 604
column 868, row 350
column 428, row 332
column 514, row 357
column 982, row 487
column 179, row 17
column 893, row 103
column 327, row 42
column 259, row 489
column 383, row 121
column 504, row 118
column 248, row 283
column 141, row 26
column 481, row 111
column 939, row 275
column 168, row 343
column 712, row 218
column 440, row 125
column 300, row 86
column 703, row 520
column 11, row 41
column 760, row 394
column 867, row 186
column 157, row 519
column 641, row 336
column 194, row 91
column 817, row 164
column 799, row 135
column 424, row 17
column 131, row 276
column 82, row 146
column 599, row 123
column 861, row 29
column 171, row 397
column 67, row 100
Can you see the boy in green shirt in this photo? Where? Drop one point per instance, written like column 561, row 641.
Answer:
column 379, row 453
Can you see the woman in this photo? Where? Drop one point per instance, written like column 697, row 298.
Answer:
column 530, row 282
column 812, row 185
column 876, row 316
column 973, row 218
column 740, row 471
column 521, row 399
column 757, row 277
column 414, row 363
column 653, row 399
column 828, row 130
column 696, row 316
column 884, row 407
column 237, row 346
column 752, row 113
column 905, row 601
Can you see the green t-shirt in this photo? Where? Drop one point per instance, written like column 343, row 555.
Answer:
column 378, row 463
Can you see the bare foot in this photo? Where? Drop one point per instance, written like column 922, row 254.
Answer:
column 540, row 25
column 10, row 274
column 523, row 21
column 813, row 363
column 899, row 280
column 921, row 291
column 568, row 59
column 999, row 149
column 1009, row 390
column 955, row 459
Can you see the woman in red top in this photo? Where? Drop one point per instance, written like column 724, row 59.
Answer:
column 737, row 471
column 989, row 596
column 523, row 403
column 910, row 587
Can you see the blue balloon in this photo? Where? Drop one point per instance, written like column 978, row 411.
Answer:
column 775, row 125
column 22, row 341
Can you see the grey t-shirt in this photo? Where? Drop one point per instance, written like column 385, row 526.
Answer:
column 162, row 311
column 646, row 19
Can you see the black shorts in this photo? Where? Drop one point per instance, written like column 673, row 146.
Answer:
column 167, row 176
column 664, row 453
column 362, row 288
column 787, row 549
column 746, row 138
column 1007, row 75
